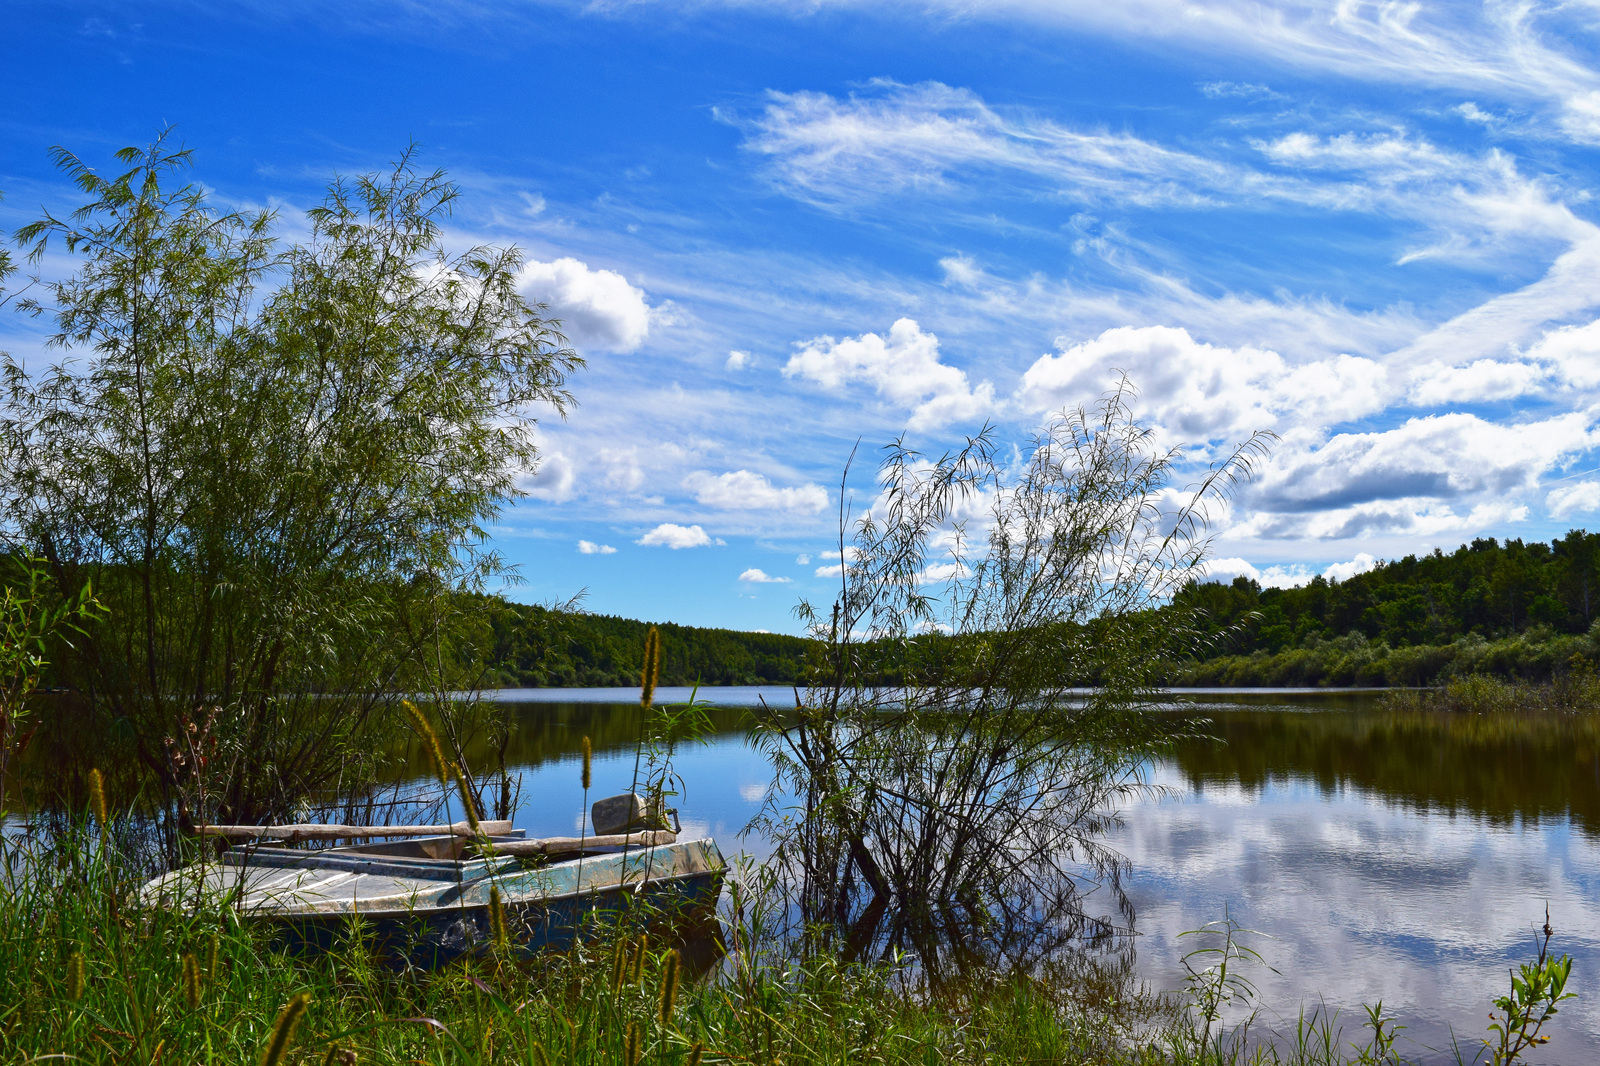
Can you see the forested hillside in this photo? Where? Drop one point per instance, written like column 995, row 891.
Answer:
column 1514, row 608
column 537, row 647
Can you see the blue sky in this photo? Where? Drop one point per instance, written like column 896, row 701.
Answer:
column 777, row 228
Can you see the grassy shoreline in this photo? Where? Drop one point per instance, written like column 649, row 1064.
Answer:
column 86, row 976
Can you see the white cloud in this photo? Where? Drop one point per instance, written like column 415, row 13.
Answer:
column 622, row 468
column 1282, row 576
column 1200, row 392
column 1478, row 382
column 554, row 479
column 743, row 490
column 738, row 360
column 803, row 559
column 835, row 570
column 1440, row 457
column 597, row 308
column 1583, row 497
column 672, row 535
column 1491, row 48
column 894, row 137
column 589, row 547
column 1573, row 352
column 903, row 367
column 1345, row 571
column 759, row 577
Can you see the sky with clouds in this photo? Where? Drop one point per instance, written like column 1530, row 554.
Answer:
column 777, row 229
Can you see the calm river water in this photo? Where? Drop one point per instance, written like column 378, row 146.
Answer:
column 1406, row 858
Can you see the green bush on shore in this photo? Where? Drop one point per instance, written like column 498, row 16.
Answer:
column 1539, row 654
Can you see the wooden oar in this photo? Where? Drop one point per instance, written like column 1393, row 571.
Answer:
column 315, row 831
column 647, row 838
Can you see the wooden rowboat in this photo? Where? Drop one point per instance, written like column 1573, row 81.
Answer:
column 423, row 900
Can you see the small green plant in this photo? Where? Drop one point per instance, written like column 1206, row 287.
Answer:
column 1536, row 988
column 1380, row 1048
column 1215, row 982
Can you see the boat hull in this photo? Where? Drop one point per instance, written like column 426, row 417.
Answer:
column 427, row 913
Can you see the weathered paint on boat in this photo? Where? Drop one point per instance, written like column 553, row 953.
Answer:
column 421, row 902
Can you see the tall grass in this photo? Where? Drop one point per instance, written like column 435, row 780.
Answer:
column 86, row 973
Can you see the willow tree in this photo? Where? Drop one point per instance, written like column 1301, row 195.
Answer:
column 274, row 460
column 977, row 708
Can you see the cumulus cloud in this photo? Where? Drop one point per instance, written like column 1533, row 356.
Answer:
column 738, row 360
column 1437, row 457
column 554, row 480
column 743, row 490
column 1582, row 497
column 672, row 535
column 904, row 368
column 1201, row 392
column 1282, row 576
column 1572, row 352
column 760, row 577
column 597, row 308
column 1345, row 571
column 1481, row 381
column 589, row 547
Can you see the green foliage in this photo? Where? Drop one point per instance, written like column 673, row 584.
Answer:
column 974, row 789
column 1536, row 988
column 538, row 646
column 275, row 462
column 1515, row 609
column 34, row 620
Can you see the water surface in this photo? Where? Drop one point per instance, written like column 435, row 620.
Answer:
column 1402, row 857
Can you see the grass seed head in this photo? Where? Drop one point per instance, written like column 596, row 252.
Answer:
column 588, row 763
column 632, row 1050
column 652, row 667
column 619, row 965
column 639, row 957
column 76, row 980
column 669, row 987
column 695, row 1052
column 97, row 798
column 430, row 741
column 539, row 1056
column 277, row 1048
column 497, row 920
column 467, row 803
column 191, row 981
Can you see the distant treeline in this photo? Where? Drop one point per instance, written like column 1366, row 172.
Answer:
column 1510, row 609
column 537, row 647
